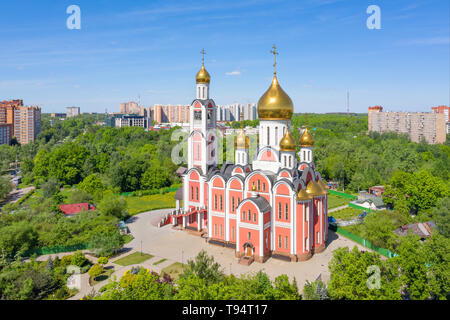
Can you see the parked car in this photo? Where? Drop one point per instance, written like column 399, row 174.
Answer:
column 362, row 215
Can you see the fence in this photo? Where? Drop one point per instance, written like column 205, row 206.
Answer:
column 55, row 249
column 150, row 192
column 342, row 194
column 366, row 243
column 355, row 206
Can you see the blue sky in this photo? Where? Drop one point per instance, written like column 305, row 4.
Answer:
column 152, row 49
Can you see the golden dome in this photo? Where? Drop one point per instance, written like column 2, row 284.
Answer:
column 241, row 141
column 314, row 189
column 275, row 104
column 306, row 140
column 302, row 195
column 287, row 143
column 203, row 76
column 323, row 186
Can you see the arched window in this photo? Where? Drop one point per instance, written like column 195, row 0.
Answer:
column 249, row 216
column 215, row 202
column 286, row 211
column 268, row 136
column 192, row 193
column 276, row 135
column 286, row 245
column 264, row 186
column 232, row 204
column 284, row 157
column 196, row 193
column 259, row 185
column 290, row 158
column 221, row 203
column 309, row 155
column 254, row 217
column 279, row 210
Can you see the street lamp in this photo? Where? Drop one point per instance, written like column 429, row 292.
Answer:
column 141, row 247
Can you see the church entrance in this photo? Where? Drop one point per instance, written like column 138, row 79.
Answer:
column 248, row 249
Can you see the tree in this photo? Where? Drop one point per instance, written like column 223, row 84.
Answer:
column 113, row 206
column 102, row 260
column 17, row 238
column 203, row 267
column 5, row 187
column 92, row 184
column 50, row 187
column 155, row 177
column 106, row 244
column 378, row 229
column 350, row 275
column 78, row 259
column 441, row 215
column 95, row 271
column 315, row 291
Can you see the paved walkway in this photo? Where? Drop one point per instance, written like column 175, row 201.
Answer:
column 337, row 209
column 179, row 246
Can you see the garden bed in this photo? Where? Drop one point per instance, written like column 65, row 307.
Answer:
column 133, row 258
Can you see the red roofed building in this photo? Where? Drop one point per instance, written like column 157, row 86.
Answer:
column 71, row 209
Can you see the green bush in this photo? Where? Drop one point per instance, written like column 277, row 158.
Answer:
column 78, row 259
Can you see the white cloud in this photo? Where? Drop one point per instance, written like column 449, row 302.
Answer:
column 233, row 73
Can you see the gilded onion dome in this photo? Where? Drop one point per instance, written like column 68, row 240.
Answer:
column 306, row 140
column 302, row 195
column 323, row 186
column 287, row 143
column 203, row 76
column 275, row 104
column 314, row 189
column 241, row 141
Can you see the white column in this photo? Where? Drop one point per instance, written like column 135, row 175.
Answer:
column 198, row 221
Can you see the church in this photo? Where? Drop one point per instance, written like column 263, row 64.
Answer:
column 273, row 206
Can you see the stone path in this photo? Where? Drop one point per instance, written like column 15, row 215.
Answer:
column 337, row 209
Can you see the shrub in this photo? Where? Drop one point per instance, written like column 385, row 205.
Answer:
column 78, row 259
column 66, row 261
column 102, row 260
column 95, row 271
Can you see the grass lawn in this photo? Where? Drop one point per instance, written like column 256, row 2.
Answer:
column 174, row 270
column 160, row 261
column 104, row 276
column 137, row 205
column 346, row 214
column 133, row 258
column 336, row 201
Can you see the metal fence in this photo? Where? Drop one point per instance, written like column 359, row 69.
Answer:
column 55, row 249
column 366, row 243
column 342, row 194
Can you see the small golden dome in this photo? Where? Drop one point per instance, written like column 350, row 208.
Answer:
column 287, row 143
column 302, row 195
column 306, row 140
column 241, row 141
column 203, row 76
column 314, row 189
column 323, row 186
column 275, row 104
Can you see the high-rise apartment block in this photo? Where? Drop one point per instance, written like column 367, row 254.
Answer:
column 445, row 110
column 5, row 133
column 237, row 112
column 24, row 122
column 418, row 125
column 132, row 121
column 72, row 111
column 171, row 113
column 130, row 108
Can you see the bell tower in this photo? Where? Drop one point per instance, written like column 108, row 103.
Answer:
column 203, row 138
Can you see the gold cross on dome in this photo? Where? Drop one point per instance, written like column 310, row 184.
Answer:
column 274, row 52
column 203, row 52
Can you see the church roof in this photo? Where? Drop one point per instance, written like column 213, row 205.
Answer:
column 261, row 203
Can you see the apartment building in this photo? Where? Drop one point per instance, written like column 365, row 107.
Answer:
column 132, row 120
column 418, row 125
column 27, row 123
column 171, row 113
column 130, row 108
column 446, row 111
column 237, row 112
column 5, row 133
column 24, row 123
column 72, row 111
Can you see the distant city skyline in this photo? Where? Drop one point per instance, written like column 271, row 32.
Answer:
column 150, row 51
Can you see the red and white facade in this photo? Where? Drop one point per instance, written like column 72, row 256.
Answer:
column 254, row 208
